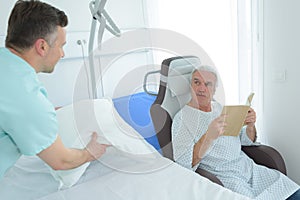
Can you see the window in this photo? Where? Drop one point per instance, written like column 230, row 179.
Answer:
column 229, row 32
column 212, row 25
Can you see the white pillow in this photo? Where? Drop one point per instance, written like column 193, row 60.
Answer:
column 179, row 85
column 117, row 132
column 79, row 120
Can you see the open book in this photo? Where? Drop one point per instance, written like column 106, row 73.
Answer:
column 236, row 115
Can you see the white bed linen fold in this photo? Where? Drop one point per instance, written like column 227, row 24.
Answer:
column 30, row 180
column 172, row 182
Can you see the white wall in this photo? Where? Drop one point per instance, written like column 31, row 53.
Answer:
column 5, row 9
column 281, row 79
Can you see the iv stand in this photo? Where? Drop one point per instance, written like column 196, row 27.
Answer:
column 99, row 14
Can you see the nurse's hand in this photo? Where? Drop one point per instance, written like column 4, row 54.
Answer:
column 95, row 149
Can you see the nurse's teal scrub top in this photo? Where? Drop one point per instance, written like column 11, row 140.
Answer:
column 27, row 119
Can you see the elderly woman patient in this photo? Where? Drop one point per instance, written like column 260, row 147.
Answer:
column 198, row 142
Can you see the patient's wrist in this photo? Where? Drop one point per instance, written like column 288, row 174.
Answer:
column 208, row 138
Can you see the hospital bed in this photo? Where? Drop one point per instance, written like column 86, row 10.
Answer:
column 132, row 168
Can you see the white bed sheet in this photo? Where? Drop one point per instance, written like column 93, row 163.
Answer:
column 30, row 179
column 119, row 174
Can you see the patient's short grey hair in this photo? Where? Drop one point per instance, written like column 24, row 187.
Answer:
column 206, row 68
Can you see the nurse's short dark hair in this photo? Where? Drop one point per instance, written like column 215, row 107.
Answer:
column 31, row 20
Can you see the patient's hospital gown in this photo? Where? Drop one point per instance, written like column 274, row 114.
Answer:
column 225, row 159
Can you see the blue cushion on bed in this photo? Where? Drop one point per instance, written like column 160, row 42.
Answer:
column 135, row 110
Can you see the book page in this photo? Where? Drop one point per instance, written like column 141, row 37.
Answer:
column 235, row 118
column 249, row 99
column 236, row 115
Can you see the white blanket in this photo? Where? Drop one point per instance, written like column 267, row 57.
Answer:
column 130, row 169
column 30, row 179
column 170, row 183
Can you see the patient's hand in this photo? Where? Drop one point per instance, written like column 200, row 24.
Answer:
column 95, row 149
column 250, row 118
column 216, row 127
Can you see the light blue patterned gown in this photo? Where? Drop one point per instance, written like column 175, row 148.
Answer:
column 225, row 159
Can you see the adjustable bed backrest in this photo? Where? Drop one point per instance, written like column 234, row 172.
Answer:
column 173, row 94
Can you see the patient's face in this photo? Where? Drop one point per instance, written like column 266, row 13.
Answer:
column 203, row 88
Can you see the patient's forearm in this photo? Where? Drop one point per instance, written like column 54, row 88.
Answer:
column 251, row 132
column 200, row 149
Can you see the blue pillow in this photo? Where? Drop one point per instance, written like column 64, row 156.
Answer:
column 135, row 110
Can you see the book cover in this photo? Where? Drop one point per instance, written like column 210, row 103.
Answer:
column 236, row 115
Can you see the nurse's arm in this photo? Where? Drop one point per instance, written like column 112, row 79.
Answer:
column 58, row 157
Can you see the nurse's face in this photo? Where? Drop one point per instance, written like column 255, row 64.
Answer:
column 54, row 51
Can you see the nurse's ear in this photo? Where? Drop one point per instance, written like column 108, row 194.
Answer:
column 41, row 47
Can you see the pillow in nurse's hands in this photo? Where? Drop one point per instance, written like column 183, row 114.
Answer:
column 117, row 132
column 78, row 121
column 99, row 115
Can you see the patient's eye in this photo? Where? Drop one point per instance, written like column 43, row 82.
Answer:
column 197, row 82
column 208, row 84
